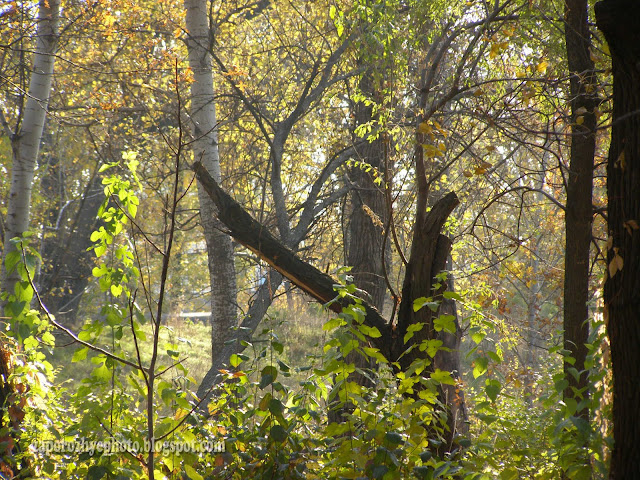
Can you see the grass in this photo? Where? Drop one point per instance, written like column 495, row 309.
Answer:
column 299, row 331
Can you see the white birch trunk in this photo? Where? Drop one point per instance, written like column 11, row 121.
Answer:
column 26, row 140
column 205, row 148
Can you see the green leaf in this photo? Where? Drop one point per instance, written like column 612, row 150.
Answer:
column 235, row 360
column 278, row 433
column 478, row 336
column 96, row 472
column 452, row 296
column 333, row 324
column 510, row 473
column 264, row 403
column 268, row 375
column 492, row 389
column 372, row 332
column 443, row 377
column 393, row 438
column 12, row 259
column 283, row 366
column 278, row 347
column 276, row 407
column 480, row 367
column 418, row 303
column 100, row 249
column 494, row 356
column 446, row 323
column 191, row 472
column 116, row 290
column 102, row 372
column 415, row 327
column 80, row 354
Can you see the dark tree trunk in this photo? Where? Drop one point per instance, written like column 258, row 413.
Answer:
column 365, row 252
column 579, row 209
column 67, row 264
column 619, row 20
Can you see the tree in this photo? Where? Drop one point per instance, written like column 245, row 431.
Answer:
column 619, row 21
column 26, row 137
column 205, row 149
column 427, row 260
column 25, row 143
column 579, row 208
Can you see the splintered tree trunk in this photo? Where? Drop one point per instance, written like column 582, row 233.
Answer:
column 619, row 20
column 205, row 149
column 579, row 208
column 428, row 258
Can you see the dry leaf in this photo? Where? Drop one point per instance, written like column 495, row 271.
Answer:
column 630, row 225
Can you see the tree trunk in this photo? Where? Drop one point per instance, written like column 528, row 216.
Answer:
column 579, row 209
column 619, row 20
column 205, row 149
column 25, row 142
column 365, row 252
column 67, row 263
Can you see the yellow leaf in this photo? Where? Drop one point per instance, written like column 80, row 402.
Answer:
column 425, row 128
column 431, row 151
column 616, row 263
column 620, row 162
column 613, row 268
column 542, row 67
column 480, row 170
column 467, row 173
column 580, row 120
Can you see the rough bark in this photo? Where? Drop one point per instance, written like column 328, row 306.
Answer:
column 368, row 215
column 579, row 209
column 619, row 20
column 205, row 149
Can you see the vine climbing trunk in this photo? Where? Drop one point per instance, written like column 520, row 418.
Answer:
column 619, row 20
column 205, row 149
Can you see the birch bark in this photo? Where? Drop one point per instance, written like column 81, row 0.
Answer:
column 25, row 141
column 205, row 148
